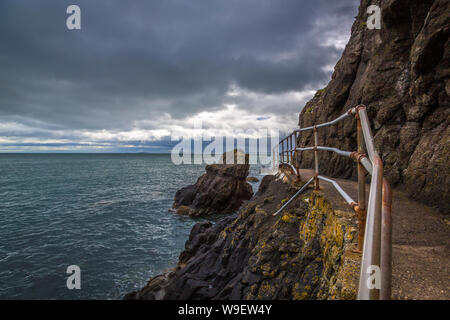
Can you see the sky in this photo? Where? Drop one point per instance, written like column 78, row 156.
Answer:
column 140, row 73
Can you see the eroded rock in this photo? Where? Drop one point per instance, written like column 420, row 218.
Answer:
column 222, row 189
column 304, row 253
column 401, row 73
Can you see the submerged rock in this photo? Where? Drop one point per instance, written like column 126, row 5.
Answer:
column 222, row 189
column 304, row 253
column 252, row 179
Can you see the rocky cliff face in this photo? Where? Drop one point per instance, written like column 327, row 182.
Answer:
column 402, row 74
column 222, row 189
column 304, row 253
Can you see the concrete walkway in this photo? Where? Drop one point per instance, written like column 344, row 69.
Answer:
column 420, row 243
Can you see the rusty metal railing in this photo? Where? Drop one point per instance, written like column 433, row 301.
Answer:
column 374, row 219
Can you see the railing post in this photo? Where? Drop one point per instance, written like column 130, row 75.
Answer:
column 296, row 156
column 361, row 208
column 289, row 149
column 316, row 160
column 386, row 242
column 285, row 151
column 288, row 146
column 292, row 148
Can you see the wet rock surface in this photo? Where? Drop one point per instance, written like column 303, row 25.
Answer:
column 402, row 74
column 304, row 253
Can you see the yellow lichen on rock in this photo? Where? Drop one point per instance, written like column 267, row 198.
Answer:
column 338, row 278
column 288, row 218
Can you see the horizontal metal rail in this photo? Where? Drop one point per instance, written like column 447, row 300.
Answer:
column 375, row 226
column 325, row 124
column 294, row 196
column 341, row 191
column 336, row 150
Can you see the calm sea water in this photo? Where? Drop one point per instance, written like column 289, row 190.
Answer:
column 106, row 213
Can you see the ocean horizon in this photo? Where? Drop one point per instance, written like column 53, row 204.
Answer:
column 105, row 212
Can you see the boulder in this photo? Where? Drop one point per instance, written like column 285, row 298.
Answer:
column 222, row 189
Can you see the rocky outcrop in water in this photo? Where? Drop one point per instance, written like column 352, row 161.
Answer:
column 402, row 74
column 222, row 189
column 304, row 253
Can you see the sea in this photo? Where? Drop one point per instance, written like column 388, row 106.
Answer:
column 108, row 214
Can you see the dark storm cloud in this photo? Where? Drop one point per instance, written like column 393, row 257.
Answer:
column 136, row 60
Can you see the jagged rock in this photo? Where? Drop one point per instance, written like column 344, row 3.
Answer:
column 402, row 74
column 222, row 189
column 305, row 253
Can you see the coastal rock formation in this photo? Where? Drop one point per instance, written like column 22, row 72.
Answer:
column 304, row 253
column 402, row 74
column 222, row 189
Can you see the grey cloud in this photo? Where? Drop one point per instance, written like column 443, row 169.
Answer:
column 137, row 60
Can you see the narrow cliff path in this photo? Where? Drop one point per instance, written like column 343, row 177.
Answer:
column 420, row 243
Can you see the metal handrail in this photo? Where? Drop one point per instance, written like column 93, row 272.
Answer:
column 374, row 224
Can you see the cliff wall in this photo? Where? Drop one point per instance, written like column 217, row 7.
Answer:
column 402, row 74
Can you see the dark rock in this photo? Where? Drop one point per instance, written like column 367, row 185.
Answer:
column 255, row 255
column 222, row 189
column 185, row 196
column 264, row 184
column 401, row 73
column 252, row 179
